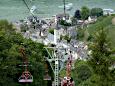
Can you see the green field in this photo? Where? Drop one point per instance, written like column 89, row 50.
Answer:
column 106, row 23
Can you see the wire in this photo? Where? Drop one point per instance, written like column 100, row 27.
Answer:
column 26, row 5
column 28, row 8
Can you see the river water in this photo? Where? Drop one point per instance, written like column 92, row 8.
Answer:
column 15, row 9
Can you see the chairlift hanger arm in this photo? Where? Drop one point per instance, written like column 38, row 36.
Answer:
column 50, row 65
column 48, row 52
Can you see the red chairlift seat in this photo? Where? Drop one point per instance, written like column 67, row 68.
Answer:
column 47, row 77
column 26, row 77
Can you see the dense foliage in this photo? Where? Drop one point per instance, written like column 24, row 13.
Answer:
column 82, row 72
column 96, row 12
column 77, row 14
column 80, row 34
column 66, row 37
column 51, row 30
column 10, row 57
column 100, row 58
column 64, row 23
column 85, row 12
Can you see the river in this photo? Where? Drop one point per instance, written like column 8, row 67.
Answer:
column 15, row 9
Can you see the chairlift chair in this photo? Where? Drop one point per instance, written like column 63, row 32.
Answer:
column 26, row 77
column 47, row 77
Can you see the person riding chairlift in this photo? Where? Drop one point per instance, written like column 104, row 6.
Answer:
column 71, row 82
column 64, row 82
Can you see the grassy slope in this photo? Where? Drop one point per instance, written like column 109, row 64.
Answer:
column 106, row 22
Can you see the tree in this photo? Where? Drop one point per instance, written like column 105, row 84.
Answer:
column 85, row 12
column 94, row 80
column 77, row 14
column 65, row 24
column 67, row 38
column 74, row 21
column 10, row 58
column 24, row 27
column 100, row 57
column 51, row 30
column 80, row 34
column 96, row 12
column 82, row 72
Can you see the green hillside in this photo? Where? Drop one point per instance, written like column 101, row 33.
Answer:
column 106, row 23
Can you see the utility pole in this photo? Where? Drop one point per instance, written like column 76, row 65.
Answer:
column 64, row 8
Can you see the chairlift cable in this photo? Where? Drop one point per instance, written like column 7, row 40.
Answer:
column 26, row 5
column 28, row 8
